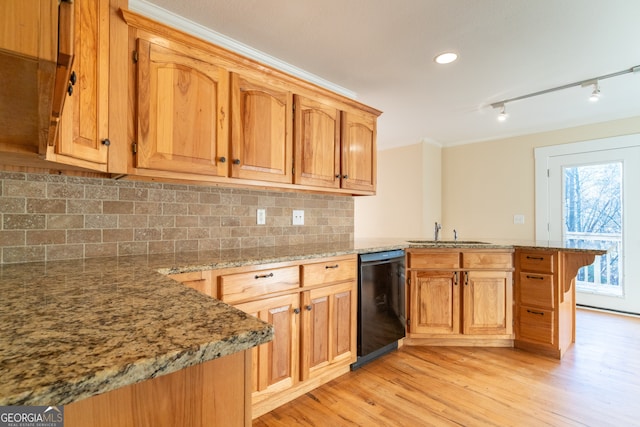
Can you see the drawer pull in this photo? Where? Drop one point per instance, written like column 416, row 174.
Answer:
column 537, row 258
column 296, row 310
column 264, row 276
column 308, row 307
column 332, row 266
column 539, row 313
column 535, row 277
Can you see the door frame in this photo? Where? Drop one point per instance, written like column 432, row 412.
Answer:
column 547, row 230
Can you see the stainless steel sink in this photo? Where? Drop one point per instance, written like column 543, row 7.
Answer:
column 447, row 242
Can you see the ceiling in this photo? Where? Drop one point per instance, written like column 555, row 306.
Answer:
column 383, row 50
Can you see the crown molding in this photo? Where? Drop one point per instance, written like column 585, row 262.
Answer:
column 157, row 13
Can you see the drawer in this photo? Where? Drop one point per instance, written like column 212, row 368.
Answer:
column 501, row 260
column 198, row 280
column 536, row 289
column 536, row 325
column 534, row 261
column 433, row 260
column 258, row 283
column 329, row 272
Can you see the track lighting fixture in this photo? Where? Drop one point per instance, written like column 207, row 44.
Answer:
column 595, row 94
column 503, row 114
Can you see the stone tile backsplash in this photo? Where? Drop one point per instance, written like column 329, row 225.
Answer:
column 51, row 217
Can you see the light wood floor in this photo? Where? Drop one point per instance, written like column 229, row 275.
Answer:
column 597, row 383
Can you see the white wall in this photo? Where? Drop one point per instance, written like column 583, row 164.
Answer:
column 408, row 194
column 474, row 188
column 485, row 184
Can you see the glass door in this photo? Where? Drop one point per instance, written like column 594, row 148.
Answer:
column 592, row 198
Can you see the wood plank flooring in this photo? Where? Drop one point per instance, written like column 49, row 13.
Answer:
column 597, row 383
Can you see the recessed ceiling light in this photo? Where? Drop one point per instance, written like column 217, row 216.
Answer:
column 446, row 58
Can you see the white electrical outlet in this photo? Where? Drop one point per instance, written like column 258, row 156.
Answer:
column 298, row 217
column 518, row 219
column 261, row 216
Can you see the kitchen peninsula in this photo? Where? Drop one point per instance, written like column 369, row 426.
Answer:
column 81, row 328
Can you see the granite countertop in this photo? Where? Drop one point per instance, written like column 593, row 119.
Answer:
column 73, row 329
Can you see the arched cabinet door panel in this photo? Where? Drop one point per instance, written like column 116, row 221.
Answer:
column 182, row 110
column 358, row 150
column 316, row 143
column 261, row 130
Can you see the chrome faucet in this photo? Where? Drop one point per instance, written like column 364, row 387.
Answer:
column 436, row 231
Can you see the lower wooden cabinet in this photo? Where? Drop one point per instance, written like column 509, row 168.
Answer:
column 328, row 328
column 275, row 364
column 487, row 302
column 312, row 307
column 198, row 280
column 460, row 297
column 434, row 303
column 546, row 298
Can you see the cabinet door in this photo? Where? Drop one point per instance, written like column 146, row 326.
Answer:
column 434, row 306
column 329, row 327
column 317, row 143
column 276, row 363
column 261, row 130
column 358, row 150
column 182, row 122
column 83, row 139
column 488, row 302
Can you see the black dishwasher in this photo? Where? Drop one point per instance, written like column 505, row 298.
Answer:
column 381, row 304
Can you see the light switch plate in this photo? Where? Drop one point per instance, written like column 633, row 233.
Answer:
column 298, row 217
column 261, row 217
column 518, row 219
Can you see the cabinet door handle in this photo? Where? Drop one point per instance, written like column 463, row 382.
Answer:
column 345, row 176
column 535, row 277
column 338, row 176
column 73, row 78
column 466, row 278
column 539, row 313
column 223, row 159
column 332, row 266
column 455, row 278
column 106, row 142
column 537, row 258
column 263, row 276
column 308, row 307
column 296, row 310
column 236, row 162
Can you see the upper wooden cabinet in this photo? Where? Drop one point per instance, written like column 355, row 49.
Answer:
column 182, row 108
column 317, row 143
column 358, row 150
column 251, row 142
column 261, row 130
column 83, row 138
column 35, row 52
column 335, row 145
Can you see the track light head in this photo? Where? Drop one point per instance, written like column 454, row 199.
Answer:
column 595, row 95
column 503, row 114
